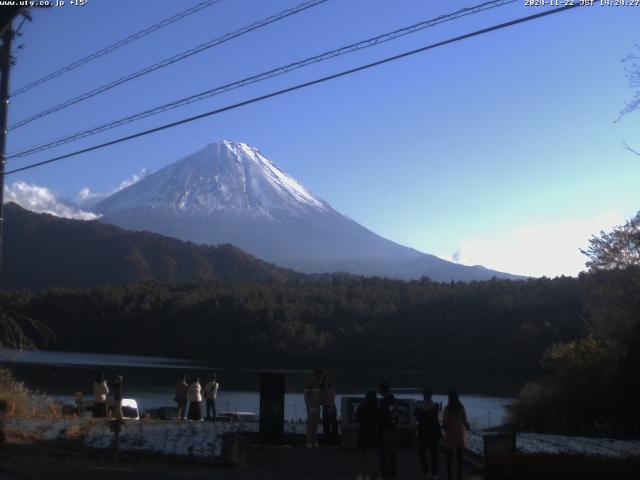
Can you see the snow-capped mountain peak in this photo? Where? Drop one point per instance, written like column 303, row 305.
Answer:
column 229, row 192
column 225, row 177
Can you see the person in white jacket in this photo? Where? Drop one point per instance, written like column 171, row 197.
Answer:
column 100, row 392
column 195, row 400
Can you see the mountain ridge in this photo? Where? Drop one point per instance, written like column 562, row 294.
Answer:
column 229, row 192
column 43, row 251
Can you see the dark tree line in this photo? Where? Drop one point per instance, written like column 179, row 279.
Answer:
column 498, row 328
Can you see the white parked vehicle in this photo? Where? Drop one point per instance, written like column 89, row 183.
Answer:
column 129, row 409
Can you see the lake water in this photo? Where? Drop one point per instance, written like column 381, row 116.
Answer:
column 151, row 381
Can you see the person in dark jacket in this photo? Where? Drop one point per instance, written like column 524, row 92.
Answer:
column 367, row 418
column 387, row 422
column 181, row 397
column 329, row 412
column 429, row 432
column 117, row 396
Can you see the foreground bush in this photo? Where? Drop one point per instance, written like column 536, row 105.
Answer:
column 17, row 399
column 580, row 393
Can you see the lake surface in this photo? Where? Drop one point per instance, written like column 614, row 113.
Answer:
column 151, row 381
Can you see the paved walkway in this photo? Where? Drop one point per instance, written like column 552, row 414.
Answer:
column 281, row 463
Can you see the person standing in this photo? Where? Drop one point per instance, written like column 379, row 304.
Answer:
column 387, row 423
column 329, row 413
column 454, row 421
column 195, row 400
column 100, row 392
column 210, row 395
column 367, row 418
column 312, row 400
column 426, row 413
column 181, row 397
column 79, row 402
column 117, row 396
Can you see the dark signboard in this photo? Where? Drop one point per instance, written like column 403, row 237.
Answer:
column 271, row 407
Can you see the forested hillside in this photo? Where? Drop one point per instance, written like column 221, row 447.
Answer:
column 497, row 328
column 42, row 251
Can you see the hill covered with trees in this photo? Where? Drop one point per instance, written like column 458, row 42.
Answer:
column 42, row 251
column 494, row 330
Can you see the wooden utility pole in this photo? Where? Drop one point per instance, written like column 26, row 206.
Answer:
column 5, row 68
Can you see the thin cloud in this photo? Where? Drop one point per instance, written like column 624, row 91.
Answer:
column 42, row 200
column 86, row 198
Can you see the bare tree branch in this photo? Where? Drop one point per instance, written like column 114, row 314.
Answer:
column 21, row 332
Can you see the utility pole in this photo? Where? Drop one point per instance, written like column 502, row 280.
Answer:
column 5, row 67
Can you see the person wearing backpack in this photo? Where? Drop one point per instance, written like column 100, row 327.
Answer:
column 387, row 425
column 367, row 418
column 210, row 395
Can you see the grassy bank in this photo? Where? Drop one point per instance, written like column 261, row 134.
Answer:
column 17, row 399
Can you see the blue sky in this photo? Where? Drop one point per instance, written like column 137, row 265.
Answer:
column 500, row 150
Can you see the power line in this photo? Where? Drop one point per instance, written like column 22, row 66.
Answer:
column 170, row 61
column 262, row 76
column 296, row 87
column 115, row 46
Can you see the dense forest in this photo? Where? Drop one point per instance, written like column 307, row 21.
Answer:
column 496, row 329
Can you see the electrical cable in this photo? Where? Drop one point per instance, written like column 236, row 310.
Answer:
column 115, row 46
column 169, row 61
column 297, row 87
column 262, row 76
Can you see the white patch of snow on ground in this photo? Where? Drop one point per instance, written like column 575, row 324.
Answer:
column 204, row 439
column 41, row 428
column 545, row 443
column 191, row 439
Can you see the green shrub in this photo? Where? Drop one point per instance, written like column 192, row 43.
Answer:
column 577, row 394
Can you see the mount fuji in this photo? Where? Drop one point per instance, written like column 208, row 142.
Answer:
column 229, row 192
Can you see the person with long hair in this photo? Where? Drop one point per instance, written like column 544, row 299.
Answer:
column 195, row 400
column 367, row 418
column 454, row 421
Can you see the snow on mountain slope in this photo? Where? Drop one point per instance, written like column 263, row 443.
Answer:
column 228, row 192
column 225, row 177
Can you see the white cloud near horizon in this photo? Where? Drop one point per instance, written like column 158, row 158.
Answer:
column 42, row 200
column 542, row 249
